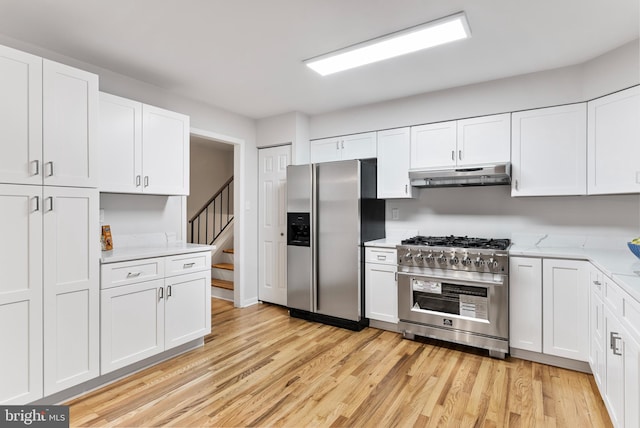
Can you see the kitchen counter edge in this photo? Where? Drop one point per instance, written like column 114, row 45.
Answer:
column 135, row 253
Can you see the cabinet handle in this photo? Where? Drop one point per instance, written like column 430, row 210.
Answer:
column 133, row 274
column 453, row 155
column 337, row 145
column 160, row 293
column 146, row 181
column 381, row 257
column 37, row 198
column 460, row 154
column 406, row 189
column 50, row 203
column 50, row 169
column 614, row 339
column 169, row 291
column 188, row 265
column 396, row 276
column 138, row 180
column 342, row 144
column 598, row 283
column 516, row 185
column 37, row 164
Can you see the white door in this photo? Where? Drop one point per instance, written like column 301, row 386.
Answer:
column 187, row 308
column 272, row 179
column 565, row 313
column 483, row 140
column 359, row 146
column 433, row 145
column 120, row 144
column 21, row 294
column 69, row 125
column 132, row 324
column 71, row 282
column 525, row 303
column 393, row 163
column 21, row 113
column 165, row 151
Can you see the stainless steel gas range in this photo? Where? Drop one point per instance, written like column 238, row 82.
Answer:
column 455, row 289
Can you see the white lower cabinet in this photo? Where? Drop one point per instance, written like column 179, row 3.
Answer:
column 615, row 352
column 549, row 306
column 152, row 305
column 381, row 285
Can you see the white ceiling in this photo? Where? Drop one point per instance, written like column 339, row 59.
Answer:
column 245, row 55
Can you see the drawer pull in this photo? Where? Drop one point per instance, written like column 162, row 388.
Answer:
column 133, row 274
column 160, row 293
column 381, row 257
column 598, row 283
column 614, row 343
column 188, row 265
column 169, row 291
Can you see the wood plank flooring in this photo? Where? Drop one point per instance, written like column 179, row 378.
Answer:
column 259, row 367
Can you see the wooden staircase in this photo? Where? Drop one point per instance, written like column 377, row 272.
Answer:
column 220, row 282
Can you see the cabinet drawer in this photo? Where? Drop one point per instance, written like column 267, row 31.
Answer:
column 386, row 256
column 117, row 274
column 186, row 263
column 596, row 281
column 631, row 315
column 612, row 295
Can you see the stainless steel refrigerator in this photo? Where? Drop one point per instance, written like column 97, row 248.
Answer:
column 332, row 209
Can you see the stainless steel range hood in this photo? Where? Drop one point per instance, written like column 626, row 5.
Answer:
column 476, row 175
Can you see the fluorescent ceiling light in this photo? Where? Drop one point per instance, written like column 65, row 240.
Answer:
column 434, row 33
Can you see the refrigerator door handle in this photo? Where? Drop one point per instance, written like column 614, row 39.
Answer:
column 314, row 238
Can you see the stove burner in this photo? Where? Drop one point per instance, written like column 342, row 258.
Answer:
column 459, row 242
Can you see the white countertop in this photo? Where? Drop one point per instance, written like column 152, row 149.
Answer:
column 123, row 254
column 384, row 242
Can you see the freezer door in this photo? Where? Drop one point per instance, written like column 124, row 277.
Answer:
column 299, row 188
column 338, row 243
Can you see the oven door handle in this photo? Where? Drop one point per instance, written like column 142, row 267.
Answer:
column 453, row 280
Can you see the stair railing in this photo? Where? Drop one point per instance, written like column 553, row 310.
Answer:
column 214, row 216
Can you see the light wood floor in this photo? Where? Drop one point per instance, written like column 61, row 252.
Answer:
column 261, row 368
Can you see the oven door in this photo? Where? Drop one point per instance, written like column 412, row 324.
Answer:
column 476, row 305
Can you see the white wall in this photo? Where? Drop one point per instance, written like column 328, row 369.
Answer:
column 204, row 117
column 210, row 168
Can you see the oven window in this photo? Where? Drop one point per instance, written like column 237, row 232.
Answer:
column 449, row 298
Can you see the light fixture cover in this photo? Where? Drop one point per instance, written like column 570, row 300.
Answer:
column 433, row 33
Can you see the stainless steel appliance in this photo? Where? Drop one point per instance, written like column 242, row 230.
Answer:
column 331, row 211
column 455, row 289
column 477, row 175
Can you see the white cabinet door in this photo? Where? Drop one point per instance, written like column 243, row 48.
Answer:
column 132, row 324
column 21, row 112
column 70, row 114
column 394, row 147
column 165, row 149
column 21, row 294
column 120, row 144
column 484, row 140
column 614, row 362
column 596, row 327
column 548, row 151
column 631, row 381
column 358, row 146
column 565, row 313
column 433, row 145
column 71, row 295
column 325, row 150
column 187, row 308
column 525, row 303
column 381, row 292
column 613, row 143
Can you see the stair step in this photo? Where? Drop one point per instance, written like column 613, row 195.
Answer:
column 228, row 251
column 222, row 283
column 225, row 266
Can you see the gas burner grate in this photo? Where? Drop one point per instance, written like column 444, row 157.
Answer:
column 458, row 242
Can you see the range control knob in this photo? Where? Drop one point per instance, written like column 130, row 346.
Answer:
column 492, row 263
column 453, row 260
column 466, row 261
column 429, row 258
column 442, row 259
column 408, row 256
column 418, row 258
column 479, row 262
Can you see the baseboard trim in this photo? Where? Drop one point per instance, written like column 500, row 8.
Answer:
column 551, row 360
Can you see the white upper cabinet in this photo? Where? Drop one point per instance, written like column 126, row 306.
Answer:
column 393, row 163
column 120, row 144
column 21, row 112
column 49, row 113
column 614, row 143
column 548, row 151
column 483, row 140
column 461, row 143
column 70, row 113
column 142, row 148
column 355, row 146
column 433, row 145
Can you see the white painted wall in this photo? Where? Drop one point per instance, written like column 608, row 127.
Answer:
column 289, row 128
column 205, row 117
column 210, row 168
